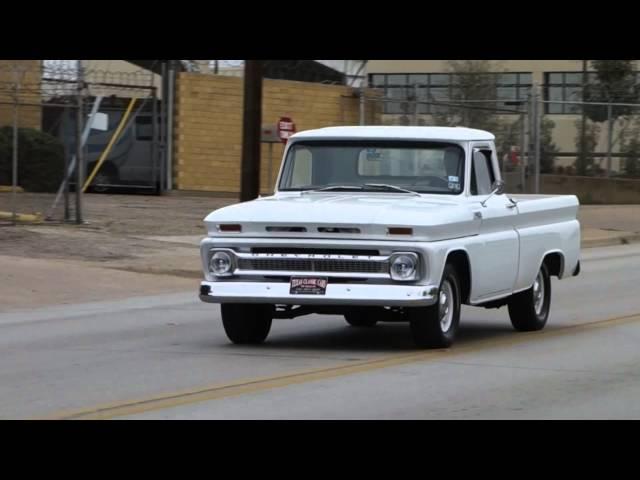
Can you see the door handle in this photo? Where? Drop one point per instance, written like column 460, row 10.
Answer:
column 511, row 205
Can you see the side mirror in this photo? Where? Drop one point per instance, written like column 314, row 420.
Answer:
column 497, row 188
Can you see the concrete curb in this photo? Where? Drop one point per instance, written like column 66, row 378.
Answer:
column 606, row 242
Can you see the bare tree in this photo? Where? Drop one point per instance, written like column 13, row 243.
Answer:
column 470, row 80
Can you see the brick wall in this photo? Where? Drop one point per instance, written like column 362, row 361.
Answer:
column 208, row 125
column 28, row 72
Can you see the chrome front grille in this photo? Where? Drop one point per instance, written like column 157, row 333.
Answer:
column 337, row 265
column 313, row 265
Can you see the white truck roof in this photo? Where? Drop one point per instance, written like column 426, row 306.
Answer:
column 395, row 132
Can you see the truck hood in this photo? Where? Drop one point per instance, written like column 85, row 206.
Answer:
column 360, row 216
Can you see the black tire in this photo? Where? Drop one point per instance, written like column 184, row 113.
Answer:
column 426, row 327
column 522, row 305
column 361, row 318
column 107, row 175
column 246, row 323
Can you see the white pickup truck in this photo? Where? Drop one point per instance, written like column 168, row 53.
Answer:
column 388, row 224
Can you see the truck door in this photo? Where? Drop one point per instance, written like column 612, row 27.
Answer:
column 494, row 257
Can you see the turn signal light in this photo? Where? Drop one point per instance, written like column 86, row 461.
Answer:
column 230, row 228
column 400, row 231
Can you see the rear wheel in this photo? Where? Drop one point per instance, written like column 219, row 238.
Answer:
column 529, row 310
column 436, row 326
column 246, row 323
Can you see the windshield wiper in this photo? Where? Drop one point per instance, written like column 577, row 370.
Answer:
column 335, row 187
column 386, row 186
column 383, row 186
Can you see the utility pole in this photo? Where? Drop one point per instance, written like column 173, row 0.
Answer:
column 14, row 154
column 582, row 159
column 79, row 146
column 523, row 148
column 415, row 104
column 531, row 157
column 609, row 136
column 67, row 154
column 170, row 99
column 163, row 126
column 538, row 129
column 252, row 118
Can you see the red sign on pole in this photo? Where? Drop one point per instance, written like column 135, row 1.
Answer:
column 286, row 128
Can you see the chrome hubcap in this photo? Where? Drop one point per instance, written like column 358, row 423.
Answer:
column 538, row 293
column 446, row 306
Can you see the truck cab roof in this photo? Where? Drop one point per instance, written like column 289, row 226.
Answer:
column 455, row 134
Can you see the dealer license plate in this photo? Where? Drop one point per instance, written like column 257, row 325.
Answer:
column 308, row 286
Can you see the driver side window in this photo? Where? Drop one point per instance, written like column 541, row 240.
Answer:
column 482, row 176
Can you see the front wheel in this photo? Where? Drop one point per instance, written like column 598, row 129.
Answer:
column 246, row 323
column 529, row 310
column 436, row 326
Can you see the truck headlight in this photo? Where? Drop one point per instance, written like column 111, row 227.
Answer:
column 404, row 266
column 221, row 263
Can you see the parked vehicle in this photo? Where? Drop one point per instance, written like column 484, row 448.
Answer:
column 133, row 162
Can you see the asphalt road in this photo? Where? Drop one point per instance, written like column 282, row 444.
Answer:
column 168, row 357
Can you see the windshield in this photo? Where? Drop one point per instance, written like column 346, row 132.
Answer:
column 423, row 167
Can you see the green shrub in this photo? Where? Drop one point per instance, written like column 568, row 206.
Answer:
column 40, row 159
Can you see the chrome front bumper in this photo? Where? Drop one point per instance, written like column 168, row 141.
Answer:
column 336, row 294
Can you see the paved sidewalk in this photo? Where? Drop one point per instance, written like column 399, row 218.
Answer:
column 604, row 225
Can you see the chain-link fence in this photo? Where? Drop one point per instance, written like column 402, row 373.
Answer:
column 31, row 159
column 53, row 112
column 331, row 72
column 543, row 146
column 601, row 143
column 508, row 121
column 591, row 149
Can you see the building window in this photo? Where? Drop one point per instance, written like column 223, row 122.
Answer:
column 433, row 88
column 144, row 128
column 566, row 87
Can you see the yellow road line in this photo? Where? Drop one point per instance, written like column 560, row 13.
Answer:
column 246, row 386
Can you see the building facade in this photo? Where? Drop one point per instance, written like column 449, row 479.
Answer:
column 20, row 81
column 558, row 81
